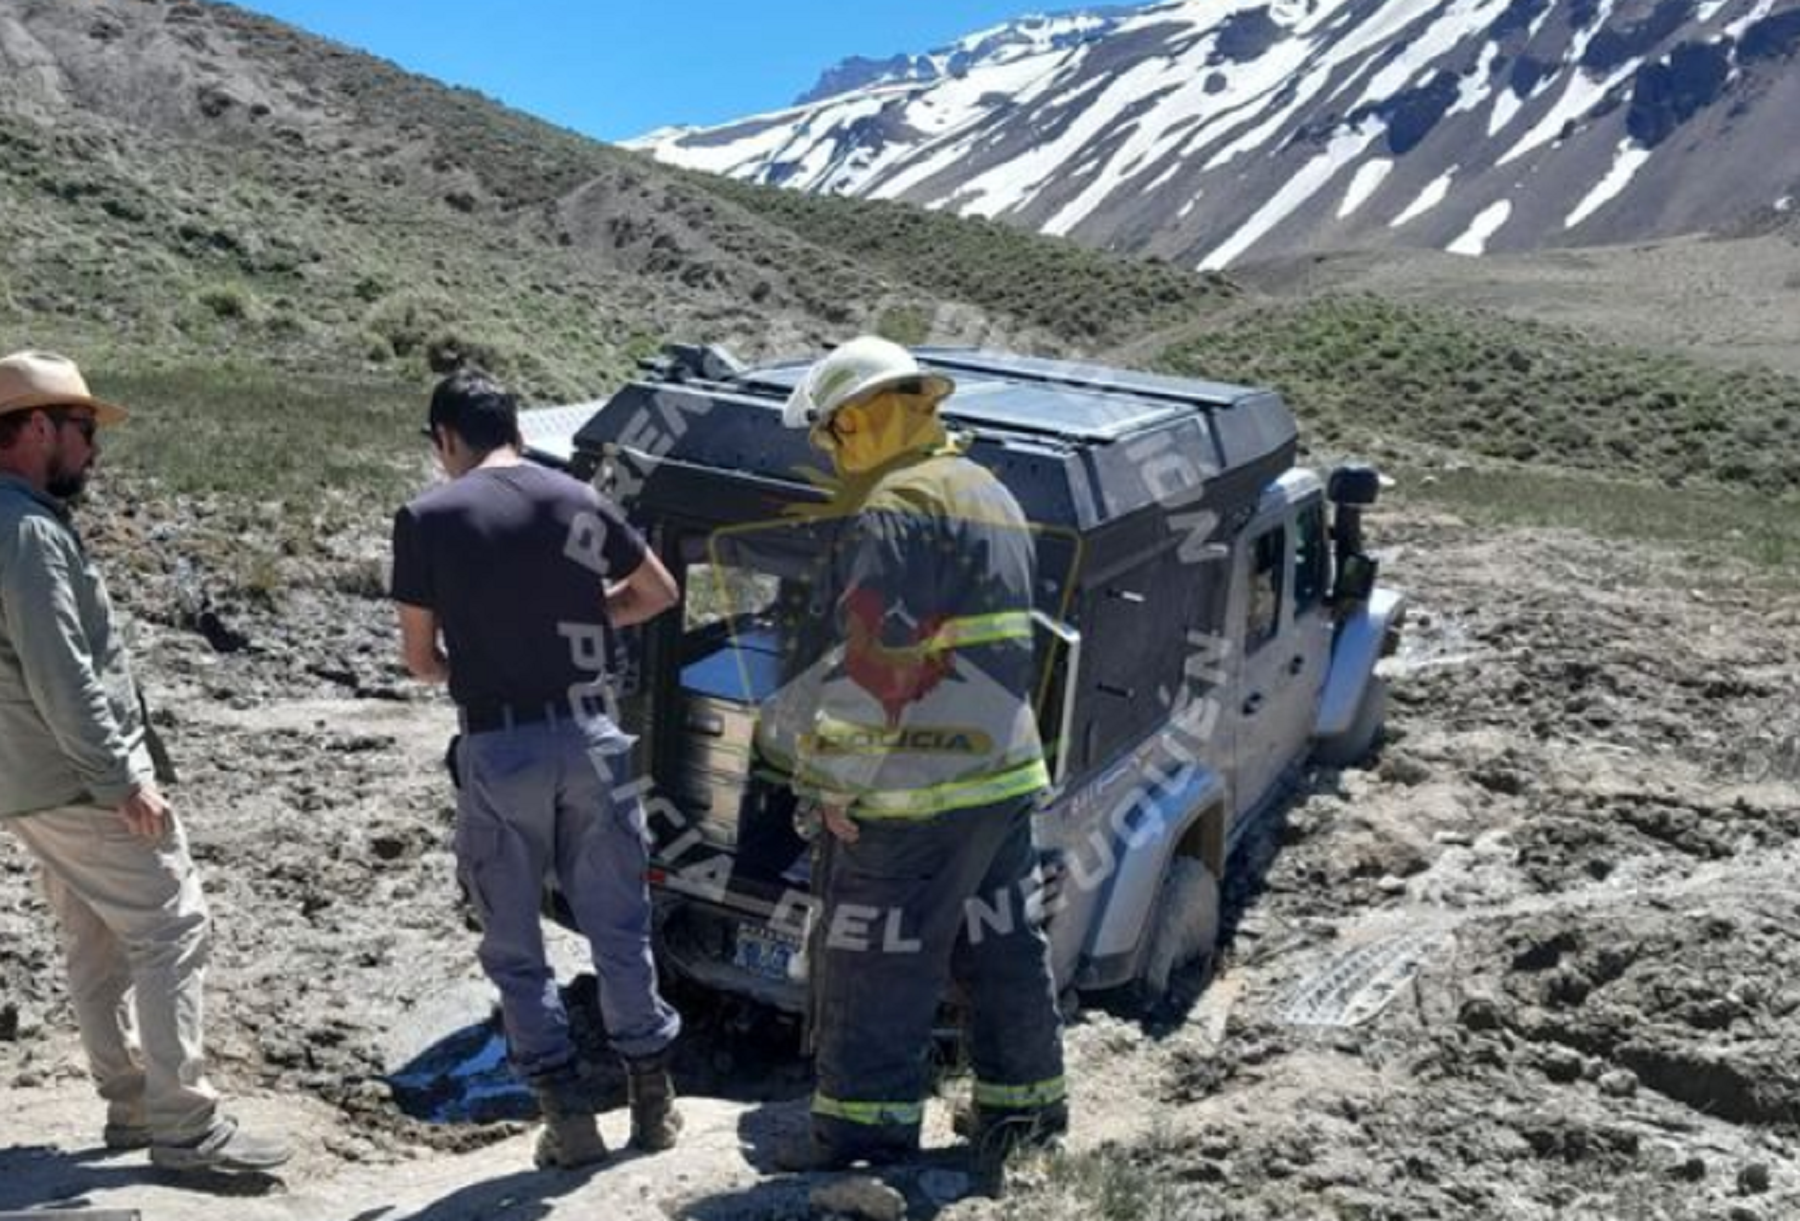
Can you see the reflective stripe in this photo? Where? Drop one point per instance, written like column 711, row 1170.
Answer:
column 955, row 795
column 981, row 629
column 1020, row 1097
column 870, row 1114
column 963, row 632
column 874, row 804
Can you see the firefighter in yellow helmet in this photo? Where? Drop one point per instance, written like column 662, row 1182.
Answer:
column 915, row 736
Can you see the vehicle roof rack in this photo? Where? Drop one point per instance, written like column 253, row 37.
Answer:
column 1080, row 444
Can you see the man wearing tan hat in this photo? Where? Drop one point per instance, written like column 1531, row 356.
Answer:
column 77, row 785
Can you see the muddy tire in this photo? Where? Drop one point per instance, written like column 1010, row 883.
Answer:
column 1184, row 930
column 1358, row 742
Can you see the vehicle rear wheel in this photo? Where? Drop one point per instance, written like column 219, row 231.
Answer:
column 1184, row 928
column 1358, row 742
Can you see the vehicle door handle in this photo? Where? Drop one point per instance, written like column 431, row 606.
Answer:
column 1253, row 705
column 1297, row 665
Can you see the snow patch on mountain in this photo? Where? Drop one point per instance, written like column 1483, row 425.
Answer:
column 1736, row 29
column 1632, row 158
column 1028, row 37
column 1290, row 116
column 1301, row 187
column 1433, row 195
column 1584, row 92
column 1369, row 177
column 1474, row 240
column 1507, row 106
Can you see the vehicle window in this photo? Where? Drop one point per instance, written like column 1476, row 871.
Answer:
column 717, row 592
column 751, row 618
column 1309, row 558
column 1268, row 570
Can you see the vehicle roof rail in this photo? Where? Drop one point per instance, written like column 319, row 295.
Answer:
column 688, row 362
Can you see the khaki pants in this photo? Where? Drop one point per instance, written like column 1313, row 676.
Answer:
column 136, row 936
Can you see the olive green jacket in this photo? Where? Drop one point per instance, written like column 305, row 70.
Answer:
column 71, row 726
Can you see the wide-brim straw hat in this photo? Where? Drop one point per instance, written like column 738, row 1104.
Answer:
column 30, row 380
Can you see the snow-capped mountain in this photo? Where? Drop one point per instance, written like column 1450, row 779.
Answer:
column 1025, row 38
column 1213, row 131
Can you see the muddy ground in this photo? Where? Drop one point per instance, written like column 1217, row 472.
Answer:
column 1538, row 961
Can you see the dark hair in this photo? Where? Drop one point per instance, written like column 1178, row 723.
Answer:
column 13, row 423
column 477, row 408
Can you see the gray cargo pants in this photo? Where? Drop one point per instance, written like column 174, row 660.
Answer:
column 545, row 798
column 908, row 907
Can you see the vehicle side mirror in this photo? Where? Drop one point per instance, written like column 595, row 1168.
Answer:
column 1354, row 485
column 1352, row 489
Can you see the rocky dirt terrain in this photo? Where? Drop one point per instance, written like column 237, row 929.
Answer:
column 1536, row 961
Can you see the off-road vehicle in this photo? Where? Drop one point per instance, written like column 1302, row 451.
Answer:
column 1205, row 628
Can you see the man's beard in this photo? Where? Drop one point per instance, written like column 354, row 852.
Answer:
column 65, row 485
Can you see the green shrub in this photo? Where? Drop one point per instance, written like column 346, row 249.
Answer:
column 449, row 351
column 376, row 349
column 904, row 324
column 409, row 320
column 228, row 301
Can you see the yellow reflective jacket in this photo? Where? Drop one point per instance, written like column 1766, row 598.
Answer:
column 923, row 702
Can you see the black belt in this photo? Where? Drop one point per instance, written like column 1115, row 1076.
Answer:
column 486, row 718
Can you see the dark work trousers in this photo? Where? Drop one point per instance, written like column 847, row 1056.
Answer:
column 546, row 799
column 908, row 906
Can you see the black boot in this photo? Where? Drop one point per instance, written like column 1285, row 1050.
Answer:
column 571, row 1136
column 655, row 1123
column 998, row 1134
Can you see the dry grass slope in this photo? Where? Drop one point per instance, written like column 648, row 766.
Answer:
column 1085, row 295
column 1356, row 367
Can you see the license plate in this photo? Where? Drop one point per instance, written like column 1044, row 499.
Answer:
column 764, row 953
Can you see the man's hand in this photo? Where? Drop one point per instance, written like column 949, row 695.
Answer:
column 839, row 823
column 146, row 813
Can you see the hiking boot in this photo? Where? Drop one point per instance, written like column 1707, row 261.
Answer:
column 998, row 1136
column 655, row 1123
column 126, row 1128
column 571, row 1137
column 125, row 1137
column 226, row 1148
column 800, row 1153
column 805, row 1153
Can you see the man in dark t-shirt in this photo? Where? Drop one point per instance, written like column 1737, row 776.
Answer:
column 510, row 580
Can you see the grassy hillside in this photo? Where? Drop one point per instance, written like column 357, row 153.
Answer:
column 1084, row 295
column 191, row 255
column 1356, row 367
column 201, row 183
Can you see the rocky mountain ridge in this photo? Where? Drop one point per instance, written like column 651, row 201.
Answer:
column 1212, row 133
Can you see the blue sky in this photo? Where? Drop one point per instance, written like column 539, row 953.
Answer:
column 617, row 68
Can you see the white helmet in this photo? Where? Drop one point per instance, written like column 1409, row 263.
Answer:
column 857, row 369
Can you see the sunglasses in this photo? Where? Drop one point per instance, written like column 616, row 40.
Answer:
column 86, row 425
